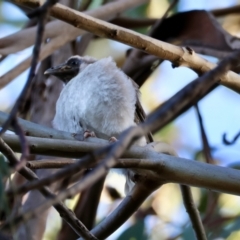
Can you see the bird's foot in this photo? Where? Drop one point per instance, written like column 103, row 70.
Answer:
column 112, row 140
column 88, row 134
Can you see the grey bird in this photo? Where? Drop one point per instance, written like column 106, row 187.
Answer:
column 97, row 97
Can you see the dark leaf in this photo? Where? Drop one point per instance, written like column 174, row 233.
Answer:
column 199, row 30
column 113, row 193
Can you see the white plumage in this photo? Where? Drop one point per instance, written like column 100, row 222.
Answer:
column 99, row 97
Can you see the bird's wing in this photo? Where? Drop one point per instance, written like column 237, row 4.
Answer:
column 140, row 114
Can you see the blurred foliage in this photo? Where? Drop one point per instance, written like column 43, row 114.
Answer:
column 4, row 174
column 167, row 134
column 135, row 232
column 139, row 12
column 6, row 20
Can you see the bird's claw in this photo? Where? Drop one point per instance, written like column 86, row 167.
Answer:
column 88, row 134
column 112, row 140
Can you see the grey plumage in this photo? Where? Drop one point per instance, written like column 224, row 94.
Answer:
column 97, row 96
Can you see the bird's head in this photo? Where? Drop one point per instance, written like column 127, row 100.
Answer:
column 71, row 68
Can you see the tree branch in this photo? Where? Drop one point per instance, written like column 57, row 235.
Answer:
column 169, row 168
column 59, row 32
column 124, row 210
column 41, row 13
column 180, row 56
column 193, row 213
column 49, row 163
column 64, row 212
column 190, row 94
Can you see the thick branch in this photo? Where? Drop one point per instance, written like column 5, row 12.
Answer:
column 37, row 130
column 64, row 212
column 178, row 55
column 126, row 208
column 49, row 163
column 169, row 168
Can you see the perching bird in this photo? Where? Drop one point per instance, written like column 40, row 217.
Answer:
column 97, row 97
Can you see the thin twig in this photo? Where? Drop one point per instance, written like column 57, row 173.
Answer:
column 53, row 163
column 7, row 152
column 37, row 130
column 79, row 165
column 186, row 192
column 125, row 209
column 211, row 197
column 24, row 144
column 64, row 212
column 139, row 65
column 180, row 56
column 160, row 20
column 172, row 169
column 55, row 29
column 205, row 143
column 129, row 22
column 193, row 213
column 230, row 142
column 194, row 92
column 41, row 13
column 177, row 170
column 224, row 11
column 189, row 95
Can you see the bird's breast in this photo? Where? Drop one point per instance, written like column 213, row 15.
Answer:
column 102, row 99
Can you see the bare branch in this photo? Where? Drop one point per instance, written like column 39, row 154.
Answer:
column 201, row 85
column 231, row 142
column 133, row 22
column 205, row 143
column 186, row 192
column 59, row 32
column 51, row 163
column 24, row 144
column 169, row 168
column 224, row 11
column 180, row 56
column 79, row 166
column 193, row 213
column 125, row 209
column 41, row 13
column 64, row 212
column 37, row 130
column 189, row 95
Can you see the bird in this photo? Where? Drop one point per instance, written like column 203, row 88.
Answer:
column 98, row 99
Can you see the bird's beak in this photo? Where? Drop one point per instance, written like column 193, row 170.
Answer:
column 63, row 72
column 62, row 68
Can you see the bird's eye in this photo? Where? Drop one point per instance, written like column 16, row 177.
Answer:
column 74, row 63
